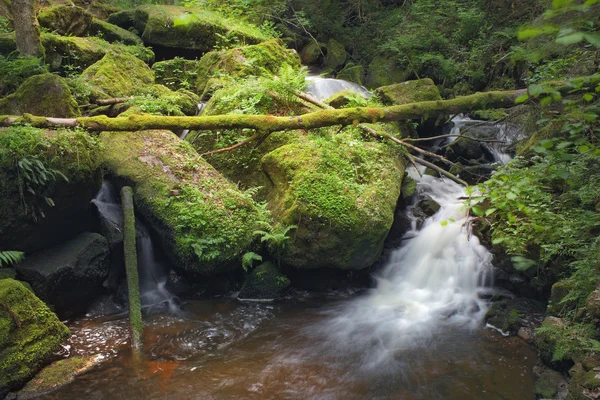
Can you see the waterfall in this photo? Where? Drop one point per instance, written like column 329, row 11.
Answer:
column 153, row 274
column 185, row 132
column 323, row 88
column 431, row 282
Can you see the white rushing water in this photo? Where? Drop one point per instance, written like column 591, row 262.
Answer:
column 433, row 281
column 323, row 88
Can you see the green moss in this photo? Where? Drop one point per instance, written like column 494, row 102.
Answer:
column 177, row 73
column 312, row 53
column 123, row 19
column 7, row 273
column 112, row 33
column 118, row 75
column 384, row 71
column 65, row 20
column 340, row 191
column 342, row 99
column 409, row 92
column 35, row 333
column 263, row 59
column 547, row 385
column 190, row 28
column 45, row 95
column 353, row 73
column 57, row 374
column 559, row 291
column 336, row 54
column 490, row 115
column 265, row 282
column 77, row 155
column 204, row 222
column 409, row 187
column 160, row 100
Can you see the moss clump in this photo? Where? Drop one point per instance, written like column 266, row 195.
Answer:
column 112, row 33
column 65, row 20
column 177, row 73
column 57, row 374
column 118, row 75
column 384, row 71
column 559, row 291
column 490, row 115
column 123, row 19
column 264, row 59
column 74, row 153
column 340, row 191
column 8, row 273
column 409, row 187
column 353, row 73
column 45, row 95
column 29, row 334
column 265, row 282
column 189, row 28
column 547, row 385
column 409, row 92
column 160, row 100
column 336, row 54
column 204, row 222
column 312, row 53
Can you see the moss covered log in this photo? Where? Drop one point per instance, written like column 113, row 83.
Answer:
column 131, row 268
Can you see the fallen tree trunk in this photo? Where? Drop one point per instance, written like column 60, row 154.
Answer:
column 270, row 123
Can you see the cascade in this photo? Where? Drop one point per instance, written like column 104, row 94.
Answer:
column 323, row 88
column 153, row 274
column 185, row 132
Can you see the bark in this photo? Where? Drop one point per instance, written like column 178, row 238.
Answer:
column 270, row 123
column 115, row 100
column 27, row 29
column 131, row 268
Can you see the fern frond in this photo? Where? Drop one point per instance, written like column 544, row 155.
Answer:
column 8, row 257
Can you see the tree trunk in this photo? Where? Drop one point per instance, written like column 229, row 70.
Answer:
column 27, row 30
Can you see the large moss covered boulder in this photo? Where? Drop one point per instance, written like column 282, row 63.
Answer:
column 45, row 95
column 113, row 33
column 340, row 191
column 264, row 283
column 29, row 334
column 118, row 75
column 181, row 29
column 409, row 92
column 384, row 71
column 65, row 20
column 70, row 275
column 203, row 221
column 177, row 73
column 336, row 54
column 54, row 210
column 264, row 59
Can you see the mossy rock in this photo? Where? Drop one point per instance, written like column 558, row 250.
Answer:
column 71, row 52
column 559, row 290
column 409, row 92
column 123, row 19
column 263, row 59
column 55, row 375
column 184, row 28
column 113, row 33
column 98, row 9
column 45, row 95
column 29, row 334
column 203, row 221
column 353, row 73
column 340, row 191
column 70, row 275
column 585, row 381
column 383, row 71
column 264, row 283
column 409, row 187
column 8, row 273
column 336, row 54
column 506, row 314
column 548, row 384
column 177, row 73
column 65, row 20
column 312, row 53
column 494, row 114
column 77, row 155
column 592, row 304
column 342, row 99
column 181, row 99
column 118, row 75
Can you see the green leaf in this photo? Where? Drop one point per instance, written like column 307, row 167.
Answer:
column 511, row 196
column 583, row 149
column 522, row 99
column 592, row 38
column 498, row 240
column 489, row 211
column 477, row 211
column 535, row 90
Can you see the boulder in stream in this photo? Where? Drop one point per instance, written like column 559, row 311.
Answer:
column 409, row 92
column 69, row 276
column 29, row 334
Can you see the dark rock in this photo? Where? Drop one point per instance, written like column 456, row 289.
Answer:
column 68, row 276
column 312, row 53
column 65, row 20
column 8, row 273
column 265, row 282
column 549, row 384
column 123, row 19
column 509, row 315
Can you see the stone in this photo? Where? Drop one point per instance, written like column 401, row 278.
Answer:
column 353, row 73
column 45, row 95
column 265, row 282
column 409, row 92
column 29, row 334
column 69, row 276
column 384, row 71
column 342, row 99
column 592, row 304
column 112, row 33
column 177, row 73
column 549, row 383
column 336, row 54
column 123, row 19
column 312, row 53
column 65, row 20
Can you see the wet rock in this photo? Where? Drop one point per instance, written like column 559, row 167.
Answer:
column 68, row 276
column 55, row 375
column 549, row 384
column 312, row 53
column 585, row 380
column 527, row 334
column 65, row 20
column 265, row 282
column 44, row 95
column 510, row 314
column 353, row 73
column 409, row 92
column 29, row 334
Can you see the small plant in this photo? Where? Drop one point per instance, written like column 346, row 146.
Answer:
column 248, row 260
column 14, row 71
column 9, row 257
column 276, row 239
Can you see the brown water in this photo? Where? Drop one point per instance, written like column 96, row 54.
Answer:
column 224, row 349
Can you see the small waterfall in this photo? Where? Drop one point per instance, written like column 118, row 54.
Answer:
column 323, row 88
column 153, row 274
column 433, row 281
column 185, row 132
